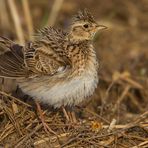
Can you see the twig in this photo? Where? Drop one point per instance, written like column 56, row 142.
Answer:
column 112, row 125
column 124, row 93
column 142, row 117
column 17, row 22
column 7, row 133
column 107, row 142
column 121, row 126
column 142, row 145
column 9, row 127
column 16, row 99
column 106, row 96
column 51, row 138
column 71, row 140
column 135, row 101
column 12, row 119
column 93, row 113
column 28, row 136
column 132, row 82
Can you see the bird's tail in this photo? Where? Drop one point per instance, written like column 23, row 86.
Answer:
column 11, row 61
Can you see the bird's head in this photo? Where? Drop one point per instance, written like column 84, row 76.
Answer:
column 84, row 27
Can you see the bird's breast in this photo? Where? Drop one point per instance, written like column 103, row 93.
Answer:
column 71, row 90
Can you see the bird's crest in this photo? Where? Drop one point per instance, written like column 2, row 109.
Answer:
column 83, row 15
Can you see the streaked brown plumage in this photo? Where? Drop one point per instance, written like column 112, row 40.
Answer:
column 58, row 68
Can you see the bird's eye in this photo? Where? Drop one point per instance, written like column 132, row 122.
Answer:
column 85, row 25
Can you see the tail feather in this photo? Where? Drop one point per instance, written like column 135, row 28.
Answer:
column 12, row 63
column 5, row 44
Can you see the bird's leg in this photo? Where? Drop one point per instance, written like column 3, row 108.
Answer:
column 73, row 116
column 41, row 116
column 65, row 114
column 69, row 114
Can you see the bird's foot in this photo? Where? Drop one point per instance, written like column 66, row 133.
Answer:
column 41, row 116
column 69, row 114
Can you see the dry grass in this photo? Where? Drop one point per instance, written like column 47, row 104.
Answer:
column 117, row 115
column 28, row 18
column 21, row 127
column 16, row 19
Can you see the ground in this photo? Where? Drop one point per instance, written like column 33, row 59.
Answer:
column 117, row 114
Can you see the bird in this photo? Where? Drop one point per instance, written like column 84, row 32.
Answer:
column 59, row 67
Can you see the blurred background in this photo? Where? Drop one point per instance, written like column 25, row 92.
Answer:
column 122, row 49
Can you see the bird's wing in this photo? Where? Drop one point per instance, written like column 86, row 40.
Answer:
column 44, row 56
column 45, row 59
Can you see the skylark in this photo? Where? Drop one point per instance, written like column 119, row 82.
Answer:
column 57, row 68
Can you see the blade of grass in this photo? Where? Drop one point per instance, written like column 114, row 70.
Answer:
column 54, row 12
column 28, row 18
column 4, row 19
column 16, row 19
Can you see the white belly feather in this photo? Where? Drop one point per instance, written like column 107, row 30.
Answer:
column 69, row 93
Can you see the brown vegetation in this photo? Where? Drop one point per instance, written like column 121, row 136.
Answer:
column 117, row 114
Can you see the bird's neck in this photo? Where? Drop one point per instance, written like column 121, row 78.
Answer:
column 76, row 39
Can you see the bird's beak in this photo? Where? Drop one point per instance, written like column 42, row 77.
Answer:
column 101, row 27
